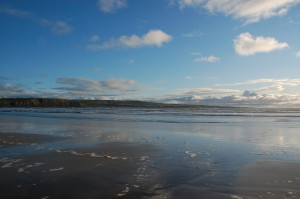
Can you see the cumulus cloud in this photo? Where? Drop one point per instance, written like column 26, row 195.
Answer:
column 111, row 6
column 298, row 54
column 58, row 27
column 249, row 11
column 245, row 44
column 207, row 59
column 152, row 38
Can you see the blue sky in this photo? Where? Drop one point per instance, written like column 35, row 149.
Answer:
column 215, row 52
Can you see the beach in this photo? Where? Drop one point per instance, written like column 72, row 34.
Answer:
column 148, row 153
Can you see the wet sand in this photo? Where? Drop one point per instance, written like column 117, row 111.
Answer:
column 112, row 170
column 269, row 179
column 134, row 170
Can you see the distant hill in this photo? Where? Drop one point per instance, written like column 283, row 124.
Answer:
column 49, row 102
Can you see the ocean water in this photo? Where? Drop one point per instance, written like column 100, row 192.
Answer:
column 197, row 150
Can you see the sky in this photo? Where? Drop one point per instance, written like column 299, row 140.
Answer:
column 210, row 52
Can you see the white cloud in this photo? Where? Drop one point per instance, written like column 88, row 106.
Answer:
column 272, row 88
column 298, row 54
column 256, row 81
column 152, row 38
column 245, row 44
column 251, row 10
column 248, row 10
column 207, row 59
column 111, row 6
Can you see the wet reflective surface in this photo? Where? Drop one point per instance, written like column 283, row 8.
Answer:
column 149, row 153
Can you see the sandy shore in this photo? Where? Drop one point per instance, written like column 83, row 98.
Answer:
column 134, row 170
column 17, row 139
column 269, row 179
column 111, row 170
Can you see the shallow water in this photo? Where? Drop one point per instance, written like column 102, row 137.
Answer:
column 199, row 153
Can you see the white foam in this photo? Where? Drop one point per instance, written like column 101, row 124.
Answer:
column 124, row 192
column 236, row 197
column 191, row 154
column 92, row 154
column 58, row 169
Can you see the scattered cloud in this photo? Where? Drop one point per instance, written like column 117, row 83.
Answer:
column 111, row 6
column 229, row 97
column 11, row 90
column 207, row 91
column 196, row 53
column 245, row 44
column 10, row 87
column 131, row 61
column 298, row 54
column 286, row 82
column 189, row 77
column 272, row 88
column 2, row 79
column 187, row 3
column 249, row 11
column 207, row 59
column 75, row 88
column 78, row 87
column 268, row 93
column 193, row 34
column 248, row 93
column 43, row 75
column 152, row 38
column 58, row 27
column 97, row 69
column 94, row 38
column 15, row 12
